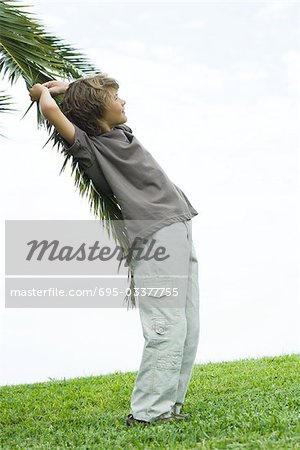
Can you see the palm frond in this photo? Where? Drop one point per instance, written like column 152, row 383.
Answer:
column 5, row 105
column 5, row 102
column 28, row 51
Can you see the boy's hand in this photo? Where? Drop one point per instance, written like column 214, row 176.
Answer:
column 50, row 110
column 56, row 87
column 36, row 91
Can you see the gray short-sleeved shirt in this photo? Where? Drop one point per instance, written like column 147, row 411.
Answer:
column 117, row 163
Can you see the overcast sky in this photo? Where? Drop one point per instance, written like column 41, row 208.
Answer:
column 212, row 91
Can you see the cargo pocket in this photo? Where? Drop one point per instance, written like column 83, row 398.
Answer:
column 158, row 287
column 158, row 299
column 166, row 358
column 160, row 326
column 158, row 334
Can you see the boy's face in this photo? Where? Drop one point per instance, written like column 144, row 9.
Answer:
column 115, row 115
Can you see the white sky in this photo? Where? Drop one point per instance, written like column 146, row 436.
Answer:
column 212, row 91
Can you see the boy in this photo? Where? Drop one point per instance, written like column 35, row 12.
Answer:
column 90, row 123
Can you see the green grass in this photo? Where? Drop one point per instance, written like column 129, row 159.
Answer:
column 245, row 404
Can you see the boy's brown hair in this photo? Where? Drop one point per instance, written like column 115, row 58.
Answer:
column 86, row 101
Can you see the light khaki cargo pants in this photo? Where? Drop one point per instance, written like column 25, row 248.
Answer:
column 170, row 323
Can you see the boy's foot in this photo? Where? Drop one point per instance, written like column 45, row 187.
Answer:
column 176, row 410
column 130, row 420
column 181, row 416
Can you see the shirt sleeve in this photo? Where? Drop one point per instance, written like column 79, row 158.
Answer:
column 82, row 150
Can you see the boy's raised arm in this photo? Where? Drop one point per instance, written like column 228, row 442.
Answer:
column 52, row 112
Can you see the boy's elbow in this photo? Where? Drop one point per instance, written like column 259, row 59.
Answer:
column 63, row 125
column 49, row 111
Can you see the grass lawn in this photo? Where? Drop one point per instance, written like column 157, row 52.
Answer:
column 245, row 404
